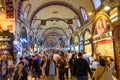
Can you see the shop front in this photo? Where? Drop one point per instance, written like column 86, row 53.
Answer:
column 103, row 37
column 116, row 33
column 4, row 42
column 115, row 19
column 87, row 42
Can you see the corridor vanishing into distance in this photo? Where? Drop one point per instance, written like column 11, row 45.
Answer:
column 59, row 40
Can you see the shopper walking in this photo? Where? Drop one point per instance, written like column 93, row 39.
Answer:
column 81, row 68
column 61, row 67
column 49, row 68
column 20, row 73
column 71, row 63
column 102, row 72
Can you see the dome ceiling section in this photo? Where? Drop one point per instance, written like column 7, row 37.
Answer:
column 54, row 34
column 55, row 15
column 51, row 40
column 54, row 30
column 60, row 24
column 45, row 4
column 55, row 11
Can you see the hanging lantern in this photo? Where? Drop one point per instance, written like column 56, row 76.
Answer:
column 43, row 22
column 9, row 9
column 69, row 21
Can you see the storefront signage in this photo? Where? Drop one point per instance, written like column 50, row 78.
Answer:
column 103, row 37
column 116, row 32
column 4, row 38
column 87, row 41
column 114, row 14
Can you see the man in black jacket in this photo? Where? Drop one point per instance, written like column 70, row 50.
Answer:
column 81, row 68
column 35, row 68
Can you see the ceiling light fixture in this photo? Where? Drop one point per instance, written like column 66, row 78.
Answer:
column 0, row 5
column 107, row 8
column 90, row 13
column 2, row 9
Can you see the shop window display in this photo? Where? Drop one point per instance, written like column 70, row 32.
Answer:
column 103, row 40
column 87, row 42
column 3, row 41
column 103, row 37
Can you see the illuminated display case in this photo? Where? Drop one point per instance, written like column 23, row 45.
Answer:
column 3, row 41
column 87, row 42
column 104, row 44
column 102, row 39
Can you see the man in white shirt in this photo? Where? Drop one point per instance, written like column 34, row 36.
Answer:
column 86, row 57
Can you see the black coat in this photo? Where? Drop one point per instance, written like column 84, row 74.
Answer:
column 81, row 68
column 23, row 77
column 35, row 66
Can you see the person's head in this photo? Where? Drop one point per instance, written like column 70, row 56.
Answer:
column 9, row 57
column 21, row 58
column 84, row 52
column 79, row 54
column 51, row 56
column 4, row 57
column 36, row 55
column 73, row 55
column 20, row 65
column 33, row 57
column 111, row 59
column 35, row 52
column 61, row 56
column 102, row 62
column 43, row 58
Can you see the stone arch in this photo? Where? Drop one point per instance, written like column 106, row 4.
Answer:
column 61, row 3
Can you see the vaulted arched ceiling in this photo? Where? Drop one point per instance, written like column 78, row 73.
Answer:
column 57, row 16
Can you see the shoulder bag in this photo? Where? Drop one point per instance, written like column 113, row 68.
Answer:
column 100, row 75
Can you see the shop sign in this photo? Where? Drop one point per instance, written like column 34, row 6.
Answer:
column 87, row 41
column 104, row 36
column 116, row 33
column 4, row 38
column 114, row 14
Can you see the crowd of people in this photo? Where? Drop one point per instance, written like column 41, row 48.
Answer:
column 51, row 64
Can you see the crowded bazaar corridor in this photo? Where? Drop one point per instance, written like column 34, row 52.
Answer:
column 59, row 39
